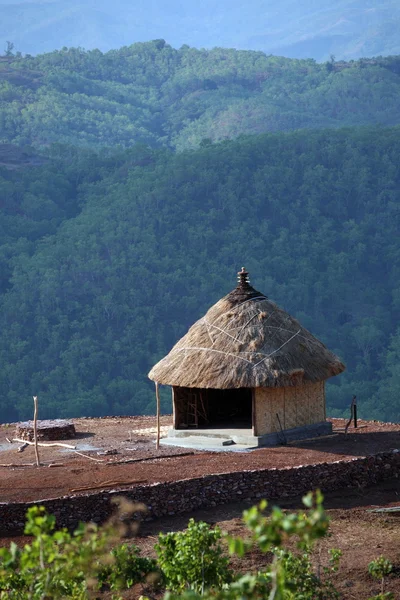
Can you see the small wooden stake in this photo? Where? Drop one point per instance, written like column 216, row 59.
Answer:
column 158, row 416
column 353, row 414
column 355, row 411
column 35, row 414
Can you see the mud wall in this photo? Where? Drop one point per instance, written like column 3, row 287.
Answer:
column 212, row 490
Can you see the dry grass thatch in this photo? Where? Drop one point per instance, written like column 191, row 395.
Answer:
column 245, row 341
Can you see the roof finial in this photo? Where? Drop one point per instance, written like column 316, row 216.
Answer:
column 243, row 278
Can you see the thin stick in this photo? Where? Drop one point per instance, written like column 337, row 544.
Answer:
column 158, row 417
column 108, row 484
column 43, row 445
column 89, row 457
column 352, row 405
column 355, row 411
column 282, row 432
column 157, row 458
column 35, row 402
column 15, row 465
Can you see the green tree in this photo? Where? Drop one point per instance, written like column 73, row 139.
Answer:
column 9, row 49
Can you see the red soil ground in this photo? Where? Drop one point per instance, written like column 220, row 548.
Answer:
column 133, row 440
column 360, row 534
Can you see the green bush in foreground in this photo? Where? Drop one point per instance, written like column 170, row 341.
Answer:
column 193, row 558
column 290, row 574
column 59, row 565
column 54, row 564
column 126, row 568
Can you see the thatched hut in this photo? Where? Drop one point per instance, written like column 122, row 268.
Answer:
column 249, row 367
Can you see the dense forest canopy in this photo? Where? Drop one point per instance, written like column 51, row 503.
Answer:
column 107, row 257
column 347, row 28
column 153, row 94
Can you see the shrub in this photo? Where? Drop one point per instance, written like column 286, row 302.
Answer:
column 58, row 564
column 192, row 559
column 290, row 575
column 380, row 568
column 301, row 578
column 126, row 569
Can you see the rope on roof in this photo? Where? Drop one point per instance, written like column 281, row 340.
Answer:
column 221, row 330
column 274, row 352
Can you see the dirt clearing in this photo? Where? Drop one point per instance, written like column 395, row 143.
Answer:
column 120, row 452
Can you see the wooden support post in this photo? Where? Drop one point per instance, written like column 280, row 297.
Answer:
column 35, row 415
column 175, row 413
column 253, row 412
column 158, row 416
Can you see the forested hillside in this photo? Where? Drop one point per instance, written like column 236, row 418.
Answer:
column 107, row 257
column 347, row 28
column 150, row 93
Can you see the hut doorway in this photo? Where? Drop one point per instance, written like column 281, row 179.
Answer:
column 212, row 408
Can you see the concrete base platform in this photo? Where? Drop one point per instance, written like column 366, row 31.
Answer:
column 210, row 444
column 215, row 438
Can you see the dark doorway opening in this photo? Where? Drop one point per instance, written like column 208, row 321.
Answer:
column 230, row 407
column 213, row 408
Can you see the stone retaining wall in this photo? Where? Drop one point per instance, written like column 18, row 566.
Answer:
column 190, row 494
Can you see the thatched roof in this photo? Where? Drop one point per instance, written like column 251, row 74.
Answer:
column 246, row 340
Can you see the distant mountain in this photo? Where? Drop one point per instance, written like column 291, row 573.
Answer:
column 349, row 29
column 151, row 93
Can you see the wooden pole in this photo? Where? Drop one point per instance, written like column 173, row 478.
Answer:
column 353, row 406
column 158, row 416
column 355, row 411
column 35, row 415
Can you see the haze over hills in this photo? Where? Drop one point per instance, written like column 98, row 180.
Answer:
column 349, row 29
column 151, row 93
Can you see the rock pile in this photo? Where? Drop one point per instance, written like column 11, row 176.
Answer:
column 56, row 429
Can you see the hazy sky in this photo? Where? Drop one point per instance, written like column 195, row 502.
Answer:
column 346, row 28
